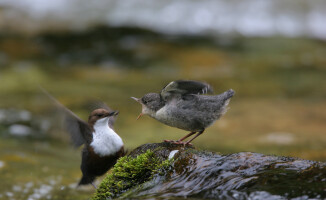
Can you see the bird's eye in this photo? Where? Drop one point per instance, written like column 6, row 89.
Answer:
column 99, row 115
column 145, row 102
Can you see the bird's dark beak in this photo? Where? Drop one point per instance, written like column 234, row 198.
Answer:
column 136, row 99
column 114, row 113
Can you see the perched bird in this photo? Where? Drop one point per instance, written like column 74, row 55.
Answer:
column 102, row 145
column 182, row 104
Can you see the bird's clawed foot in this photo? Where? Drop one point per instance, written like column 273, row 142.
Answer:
column 185, row 143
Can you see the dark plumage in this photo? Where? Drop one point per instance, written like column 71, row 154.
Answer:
column 182, row 104
column 102, row 146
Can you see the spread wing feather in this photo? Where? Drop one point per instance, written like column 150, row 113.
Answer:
column 185, row 87
column 78, row 129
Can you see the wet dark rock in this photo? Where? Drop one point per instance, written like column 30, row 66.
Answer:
column 206, row 175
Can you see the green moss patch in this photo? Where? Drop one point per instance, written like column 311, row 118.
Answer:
column 130, row 172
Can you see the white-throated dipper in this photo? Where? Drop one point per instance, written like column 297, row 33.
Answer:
column 182, row 104
column 102, row 145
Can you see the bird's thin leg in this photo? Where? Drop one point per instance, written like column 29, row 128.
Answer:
column 198, row 134
column 188, row 135
column 180, row 140
column 94, row 186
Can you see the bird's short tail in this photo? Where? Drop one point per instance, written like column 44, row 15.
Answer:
column 228, row 94
column 226, row 100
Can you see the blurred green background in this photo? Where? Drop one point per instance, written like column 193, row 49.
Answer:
column 276, row 65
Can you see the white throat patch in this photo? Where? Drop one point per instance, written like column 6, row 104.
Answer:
column 105, row 141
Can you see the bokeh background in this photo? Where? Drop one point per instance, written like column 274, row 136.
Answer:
column 272, row 53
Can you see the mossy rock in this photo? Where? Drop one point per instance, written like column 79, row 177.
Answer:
column 129, row 172
column 149, row 172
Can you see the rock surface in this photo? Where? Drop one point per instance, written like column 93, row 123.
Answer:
column 206, row 175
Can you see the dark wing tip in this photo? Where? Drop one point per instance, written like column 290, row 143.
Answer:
column 193, row 87
column 184, row 87
column 207, row 89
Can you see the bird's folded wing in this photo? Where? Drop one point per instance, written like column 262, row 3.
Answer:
column 78, row 129
column 184, row 87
